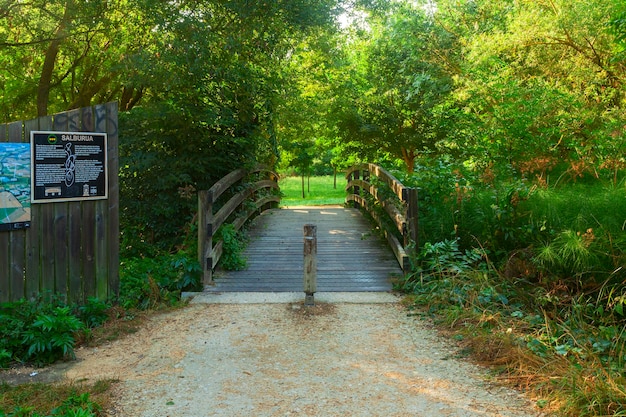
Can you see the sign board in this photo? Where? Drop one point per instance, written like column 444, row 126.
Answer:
column 14, row 186
column 68, row 166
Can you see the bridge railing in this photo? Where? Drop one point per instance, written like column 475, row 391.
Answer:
column 250, row 193
column 398, row 204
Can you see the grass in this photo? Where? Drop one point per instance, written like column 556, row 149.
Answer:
column 318, row 191
column 55, row 399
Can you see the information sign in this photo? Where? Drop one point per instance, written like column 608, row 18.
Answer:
column 14, row 186
column 68, row 166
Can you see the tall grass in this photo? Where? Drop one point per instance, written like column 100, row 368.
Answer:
column 318, row 191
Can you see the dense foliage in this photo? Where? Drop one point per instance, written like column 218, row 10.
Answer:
column 45, row 330
column 198, row 83
column 522, row 88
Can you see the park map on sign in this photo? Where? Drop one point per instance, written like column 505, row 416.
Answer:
column 14, row 184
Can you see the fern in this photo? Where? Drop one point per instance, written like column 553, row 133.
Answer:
column 51, row 336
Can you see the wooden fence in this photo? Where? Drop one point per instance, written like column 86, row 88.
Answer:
column 399, row 205
column 71, row 248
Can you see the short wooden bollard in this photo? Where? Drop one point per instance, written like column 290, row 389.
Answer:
column 310, row 263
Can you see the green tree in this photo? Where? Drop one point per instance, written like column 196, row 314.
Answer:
column 210, row 103
column 541, row 82
column 397, row 106
column 62, row 54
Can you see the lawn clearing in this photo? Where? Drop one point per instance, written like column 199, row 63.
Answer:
column 318, row 191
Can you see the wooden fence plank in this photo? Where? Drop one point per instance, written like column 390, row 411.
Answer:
column 40, row 273
column 74, row 251
column 46, row 234
column 5, row 259
column 69, row 260
column 17, row 237
column 88, row 231
column 101, row 243
column 114, row 199
column 39, row 217
column 100, row 237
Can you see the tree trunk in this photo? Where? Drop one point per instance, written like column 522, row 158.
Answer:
column 47, row 70
column 408, row 156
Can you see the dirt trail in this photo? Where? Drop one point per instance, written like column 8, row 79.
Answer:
column 335, row 359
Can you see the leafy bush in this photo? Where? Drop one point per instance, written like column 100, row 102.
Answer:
column 51, row 336
column 233, row 244
column 146, row 282
column 94, row 312
column 167, row 155
column 45, row 330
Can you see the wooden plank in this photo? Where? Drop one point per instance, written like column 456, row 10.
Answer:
column 5, row 263
column 113, row 226
column 5, row 258
column 101, row 242
column 45, row 233
column 65, row 282
column 227, row 209
column 222, row 185
column 35, row 239
column 101, row 236
column 17, row 238
column 74, row 250
column 87, row 239
column 61, row 222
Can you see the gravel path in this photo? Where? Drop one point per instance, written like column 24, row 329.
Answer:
column 283, row 359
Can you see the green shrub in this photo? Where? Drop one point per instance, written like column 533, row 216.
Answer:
column 46, row 329
column 234, row 243
column 94, row 312
column 51, row 336
column 146, row 282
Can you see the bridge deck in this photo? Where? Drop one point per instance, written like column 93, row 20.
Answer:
column 350, row 257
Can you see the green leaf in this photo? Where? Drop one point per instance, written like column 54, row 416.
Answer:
column 619, row 308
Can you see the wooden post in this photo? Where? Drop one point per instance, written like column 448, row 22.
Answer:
column 310, row 263
column 356, row 190
column 205, row 235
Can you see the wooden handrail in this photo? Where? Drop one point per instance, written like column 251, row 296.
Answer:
column 244, row 203
column 404, row 219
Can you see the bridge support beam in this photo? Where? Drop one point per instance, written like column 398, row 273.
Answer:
column 310, row 263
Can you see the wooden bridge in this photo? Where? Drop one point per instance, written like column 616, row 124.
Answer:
column 351, row 255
